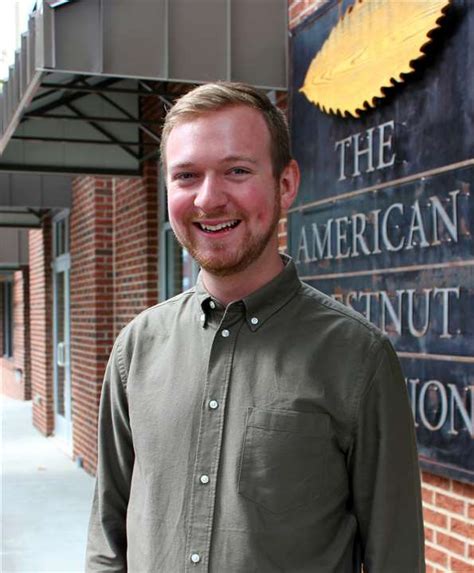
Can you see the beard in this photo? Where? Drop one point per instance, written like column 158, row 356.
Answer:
column 222, row 263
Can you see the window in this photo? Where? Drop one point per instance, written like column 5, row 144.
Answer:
column 178, row 271
column 61, row 236
column 8, row 319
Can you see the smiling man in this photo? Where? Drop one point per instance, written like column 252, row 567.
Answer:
column 250, row 424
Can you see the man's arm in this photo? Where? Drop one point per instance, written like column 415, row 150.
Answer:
column 107, row 538
column 385, row 474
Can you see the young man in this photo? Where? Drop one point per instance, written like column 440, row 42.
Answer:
column 250, row 424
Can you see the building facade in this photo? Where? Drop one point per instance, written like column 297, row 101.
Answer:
column 99, row 258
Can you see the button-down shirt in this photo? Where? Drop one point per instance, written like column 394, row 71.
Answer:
column 273, row 435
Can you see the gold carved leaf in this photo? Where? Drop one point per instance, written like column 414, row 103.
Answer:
column 368, row 49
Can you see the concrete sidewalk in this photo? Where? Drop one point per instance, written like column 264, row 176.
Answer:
column 45, row 499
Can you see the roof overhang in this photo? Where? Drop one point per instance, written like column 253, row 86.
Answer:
column 13, row 249
column 24, row 198
column 72, row 100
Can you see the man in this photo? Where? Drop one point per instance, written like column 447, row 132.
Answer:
column 250, row 424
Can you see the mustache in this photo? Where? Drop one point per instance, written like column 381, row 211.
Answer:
column 215, row 214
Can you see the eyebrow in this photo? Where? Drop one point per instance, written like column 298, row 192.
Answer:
column 228, row 159
column 232, row 158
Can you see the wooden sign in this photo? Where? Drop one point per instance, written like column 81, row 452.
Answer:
column 384, row 222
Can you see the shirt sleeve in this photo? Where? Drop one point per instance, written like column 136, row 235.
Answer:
column 107, row 538
column 384, row 473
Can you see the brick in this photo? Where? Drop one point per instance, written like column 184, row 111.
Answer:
column 449, row 503
column 114, row 253
column 429, row 534
column 464, row 489
column 436, row 481
column 432, row 569
column 435, row 518
column 460, row 566
column 41, row 334
column 15, row 370
column 436, row 556
column 451, row 543
column 427, row 495
column 463, row 528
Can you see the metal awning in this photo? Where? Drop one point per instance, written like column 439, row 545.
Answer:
column 13, row 249
column 25, row 198
column 72, row 102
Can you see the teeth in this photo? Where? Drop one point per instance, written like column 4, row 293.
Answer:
column 219, row 227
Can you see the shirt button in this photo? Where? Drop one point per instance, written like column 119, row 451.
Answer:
column 213, row 404
column 204, row 479
column 212, row 304
column 254, row 320
column 195, row 558
column 225, row 333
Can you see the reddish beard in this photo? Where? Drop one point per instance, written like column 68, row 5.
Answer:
column 219, row 262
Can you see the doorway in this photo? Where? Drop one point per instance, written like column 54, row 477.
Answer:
column 61, row 331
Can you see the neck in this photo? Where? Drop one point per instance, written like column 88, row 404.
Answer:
column 239, row 285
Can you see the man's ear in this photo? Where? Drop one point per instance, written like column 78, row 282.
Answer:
column 289, row 183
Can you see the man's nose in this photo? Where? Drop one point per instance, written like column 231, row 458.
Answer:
column 211, row 194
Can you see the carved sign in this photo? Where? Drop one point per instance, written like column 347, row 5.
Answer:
column 384, row 221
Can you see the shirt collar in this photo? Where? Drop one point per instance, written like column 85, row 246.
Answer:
column 262, row 303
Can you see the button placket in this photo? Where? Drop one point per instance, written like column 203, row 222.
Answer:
column 203, row 495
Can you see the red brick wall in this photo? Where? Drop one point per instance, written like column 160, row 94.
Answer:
column 15, row 371
column 135, row 245
column 41, row 335
column 448, row 505
column 114, row 255
column 91, row 243
column 448, row 508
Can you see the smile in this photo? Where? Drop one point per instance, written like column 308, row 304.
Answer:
column 219, row 227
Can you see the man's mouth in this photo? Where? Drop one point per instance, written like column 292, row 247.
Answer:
column 218, row 227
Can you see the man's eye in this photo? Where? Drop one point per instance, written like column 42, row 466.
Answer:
column 183, row 176
column 239, row 171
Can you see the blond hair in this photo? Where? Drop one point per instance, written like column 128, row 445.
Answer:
column 216, row 96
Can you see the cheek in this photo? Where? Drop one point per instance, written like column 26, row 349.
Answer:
column 179, row 207
column 261, row 206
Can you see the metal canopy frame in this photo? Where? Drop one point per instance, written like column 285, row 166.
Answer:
column 72, row 102
column 95, row 103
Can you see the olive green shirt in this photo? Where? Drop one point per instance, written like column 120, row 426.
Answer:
column 272, row 435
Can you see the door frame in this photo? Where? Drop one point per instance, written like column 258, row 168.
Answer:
column 62, row 264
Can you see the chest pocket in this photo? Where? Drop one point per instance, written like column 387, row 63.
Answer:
column 283, row 458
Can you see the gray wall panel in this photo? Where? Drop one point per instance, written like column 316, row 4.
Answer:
column 198, row 40
column 34, row 190
column 258, row 42
column 25, row 190
column 77, row 34
column 5, row 191
column 134, row 38
column 13, row 247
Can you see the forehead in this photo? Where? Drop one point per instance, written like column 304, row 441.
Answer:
column 231, row 131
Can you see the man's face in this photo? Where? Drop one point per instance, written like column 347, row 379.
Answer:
column 223, row 199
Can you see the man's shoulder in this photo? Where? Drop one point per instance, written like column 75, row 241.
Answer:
column 158, row 319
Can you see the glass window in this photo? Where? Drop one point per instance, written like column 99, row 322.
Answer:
column 61, row 237
column 178, row 271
